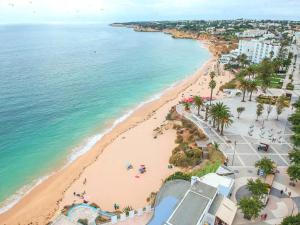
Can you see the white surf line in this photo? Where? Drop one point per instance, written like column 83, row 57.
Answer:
column 280, row 156
column 255, row 152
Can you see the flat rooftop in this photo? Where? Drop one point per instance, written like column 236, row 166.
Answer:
column 204, row 189
column 190, row 210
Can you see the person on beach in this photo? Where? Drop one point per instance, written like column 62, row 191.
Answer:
column 84, row 182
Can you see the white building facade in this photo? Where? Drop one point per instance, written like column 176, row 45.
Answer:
column 258, row 50
column 297, row 38
column 252, row 33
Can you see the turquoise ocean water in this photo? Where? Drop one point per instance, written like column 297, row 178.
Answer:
column 61, row 86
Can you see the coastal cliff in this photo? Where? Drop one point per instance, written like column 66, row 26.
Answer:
column 216, row 45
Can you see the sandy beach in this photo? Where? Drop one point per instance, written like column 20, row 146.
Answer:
column 104, row 166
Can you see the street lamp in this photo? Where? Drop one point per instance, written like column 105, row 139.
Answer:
column 293, row 205
column 233, row 153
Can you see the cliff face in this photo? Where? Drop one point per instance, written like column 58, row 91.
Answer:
column 216, row 45
column 144, row 29
column 181, row 34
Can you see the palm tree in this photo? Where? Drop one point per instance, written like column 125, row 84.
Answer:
column 213, row 113
column 252, row 86
column 212, row 75
column 212, row 85
column 186, row 106
column 251, row 70
column 198, row 102
column 206, row 112
column 243, row 60
column 225, row 119
column 220, row 114
column 244, row 87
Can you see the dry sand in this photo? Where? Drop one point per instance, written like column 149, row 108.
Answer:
column 104, row 166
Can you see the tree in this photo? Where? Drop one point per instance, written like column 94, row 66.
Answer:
column 240, row 110
column 291, row 220
column 279, row 110
column 265, row 73
column 206, row 112
column 280, row 104
column 220, row 113
column 250, row 206
column 199, row 103
column 259, row 110
column 252, row 86
column 295, row 120
column 252, row 70
column 269, row 110
column 212, row 75
column 271, row 54
column 186, row 106
column 213, row 114
column 244, row 87
column 243, row 60
column 212, row 85
column 257, row 187
column 265, row 164
column 294, row 156
column 223, row 116
column 294, row 172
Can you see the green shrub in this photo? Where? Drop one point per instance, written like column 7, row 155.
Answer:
column 83, row 221
column 291, row 220
column 229, row 85
column 179, row 139
column 179, row 176
column 179, row 159
column 290, row 86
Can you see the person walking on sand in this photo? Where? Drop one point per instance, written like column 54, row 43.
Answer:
column 281, row 192
column 84, row 182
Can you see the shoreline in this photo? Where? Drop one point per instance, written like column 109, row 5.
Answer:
column 61, row 181
column 88, row 143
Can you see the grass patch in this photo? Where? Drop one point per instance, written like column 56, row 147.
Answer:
column 210, row 167
column 276, row 82
column 233, row 84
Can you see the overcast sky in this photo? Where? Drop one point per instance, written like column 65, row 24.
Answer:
column 37, row 11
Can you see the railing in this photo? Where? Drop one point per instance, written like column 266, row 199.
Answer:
column 132, row 214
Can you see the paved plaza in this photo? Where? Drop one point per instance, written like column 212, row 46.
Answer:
column 241, row 140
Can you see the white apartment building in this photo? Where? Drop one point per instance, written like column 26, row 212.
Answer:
column 258, row 50
column 227, row 58
column 297, row 38
column 252, row 33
